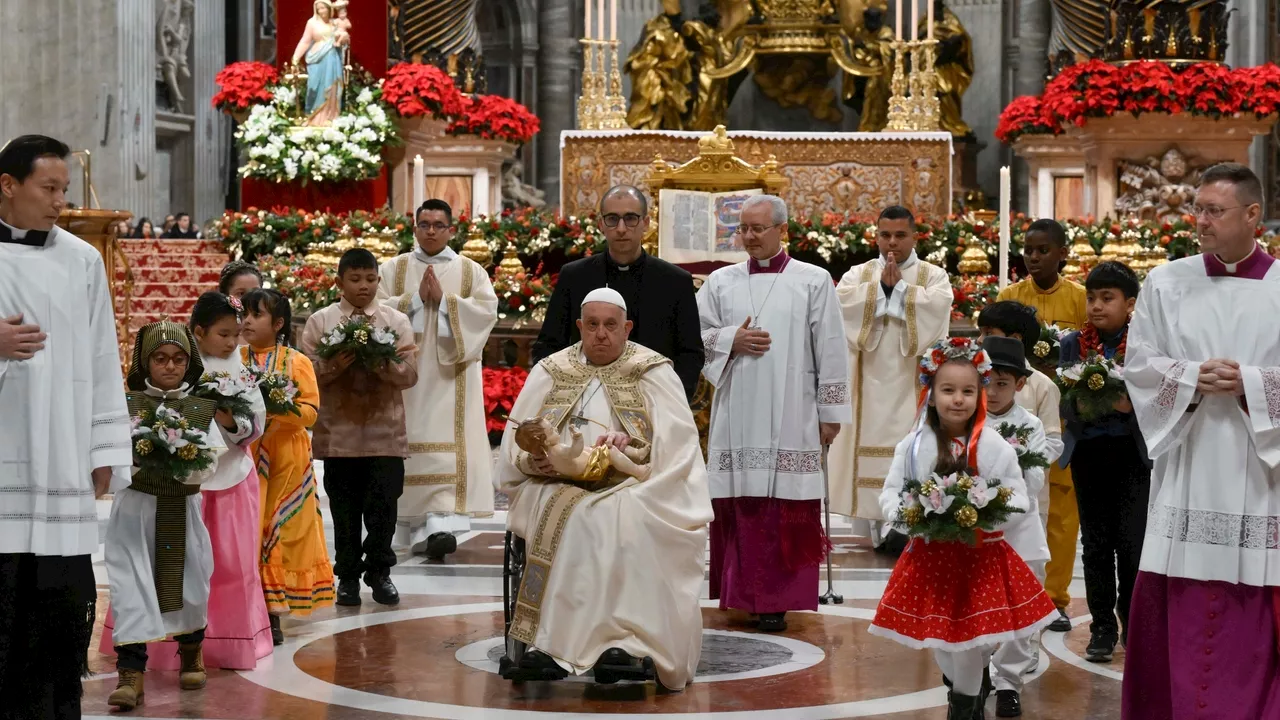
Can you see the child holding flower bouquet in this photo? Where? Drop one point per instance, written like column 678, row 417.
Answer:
column 1107, row 454
column 959, row 588
column 157, row 550
column 296, row 575
column 365, row 357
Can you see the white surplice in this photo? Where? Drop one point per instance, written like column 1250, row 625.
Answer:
column 1025, row 533
column 1215, row 509
column 129, row 554
column 448, row 474
column 886, row 336
column 64, row 410
column 626, row 564
column 236, row 463
column 763, row 440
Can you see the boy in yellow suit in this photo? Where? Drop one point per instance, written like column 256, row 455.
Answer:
column 1058, row 301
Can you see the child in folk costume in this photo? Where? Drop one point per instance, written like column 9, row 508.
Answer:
column 1024, row 533
column 956, row 599
column 157, row 551
column 296, row 575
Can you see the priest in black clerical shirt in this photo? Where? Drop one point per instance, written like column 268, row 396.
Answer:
column 660, row 297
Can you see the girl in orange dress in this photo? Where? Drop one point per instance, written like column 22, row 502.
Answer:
column 296, row 574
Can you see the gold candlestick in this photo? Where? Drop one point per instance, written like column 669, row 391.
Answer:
column 614, row 106
column 588, row 110
column 899, row 111
column 928, row 109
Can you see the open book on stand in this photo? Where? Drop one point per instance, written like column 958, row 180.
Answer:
column 698, row 226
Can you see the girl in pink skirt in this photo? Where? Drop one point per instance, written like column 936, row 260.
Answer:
column 957, row 599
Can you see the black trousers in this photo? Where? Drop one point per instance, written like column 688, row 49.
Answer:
column 47, row 608
column 367, row 489
column 134, row 655
column 1112, row 487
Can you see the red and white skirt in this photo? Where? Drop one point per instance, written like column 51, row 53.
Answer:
column 954, row 596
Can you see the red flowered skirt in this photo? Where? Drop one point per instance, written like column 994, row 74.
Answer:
column 954, row 596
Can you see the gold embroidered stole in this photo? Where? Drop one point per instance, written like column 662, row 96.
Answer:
column 621, row 382
column 171, row 498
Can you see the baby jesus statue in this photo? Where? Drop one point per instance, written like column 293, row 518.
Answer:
column 574, row 462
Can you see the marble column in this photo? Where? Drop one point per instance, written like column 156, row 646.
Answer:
column 212, row 128
column 1034, row 25
column 135, row 170
column 559, row 56
column 987, row 24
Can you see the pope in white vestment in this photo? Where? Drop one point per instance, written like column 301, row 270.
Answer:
column 887, row 330
column 448, row 476
column 618, row 565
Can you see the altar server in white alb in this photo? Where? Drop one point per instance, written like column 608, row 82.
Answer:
column 450, row 301
column 777, row 359
column 894, row 307
column 1203, row 372
column 63, row 427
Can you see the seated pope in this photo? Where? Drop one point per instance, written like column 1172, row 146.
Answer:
column 608, row 489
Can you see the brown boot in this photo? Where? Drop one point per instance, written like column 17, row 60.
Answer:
column 128, row 692
column 192, row 675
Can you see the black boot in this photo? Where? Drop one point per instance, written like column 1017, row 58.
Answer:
column 277, row 635
column 964, row 707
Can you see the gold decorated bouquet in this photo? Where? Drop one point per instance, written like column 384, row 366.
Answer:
column 279, row 392
column 1047, row 350
column 164, row 444
column 372, row 346
column 1094, row 385
column 953, row 508
column 230, row 391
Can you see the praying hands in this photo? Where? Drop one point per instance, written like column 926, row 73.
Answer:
column 18, row 341
column 1220, row 377
column 429, row 289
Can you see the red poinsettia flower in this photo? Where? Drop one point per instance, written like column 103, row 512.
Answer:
column 496, row 117
column 1025, row 115
column 1149, row 86
column 415, row 89
column 242, row 84
column 1259, row 87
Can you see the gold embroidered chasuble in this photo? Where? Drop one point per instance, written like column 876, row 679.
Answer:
column 449, row 467
column 592, row 554
column 886, row 334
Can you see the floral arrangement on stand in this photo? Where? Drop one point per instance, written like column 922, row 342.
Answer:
column 241, row 85
column 970, row 294
column 523, row 297
column 349, row 148
column 502, row 386
column 419, row 89
column 289, row 231
column 495, row 117
column 308, row 286
column 1098, row 89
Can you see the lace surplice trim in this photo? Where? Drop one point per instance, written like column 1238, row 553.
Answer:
column 833, row 394
column 1167, row 395
column 709, row 345
column 1207, row 527
column 783, row 461
column 1271, row 389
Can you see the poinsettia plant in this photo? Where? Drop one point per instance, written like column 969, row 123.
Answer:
column 1024, row 116
column 502, row 386
column 417, row 89
column 495, row 117
column 242, row 84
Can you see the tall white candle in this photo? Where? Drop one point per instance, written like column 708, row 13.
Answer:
column 613, row 19
column 897, row 23
column 1005, row 221
column 586, row 22
column 419, row 184
column 600, row 20
column 915, row 19
column 929, row 19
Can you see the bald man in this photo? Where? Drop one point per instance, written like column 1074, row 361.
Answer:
column 660, row 299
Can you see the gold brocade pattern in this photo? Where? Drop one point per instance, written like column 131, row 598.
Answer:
column 621, row 381
column 913, row 334
column 868, row 307
column 861, row 175
column 873, row 451
column 541, row 554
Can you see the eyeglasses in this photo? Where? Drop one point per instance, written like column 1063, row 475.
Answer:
column 174, row 361
column 1213, row 211
column 438, row 227
column 756, row 230
column 611, row 220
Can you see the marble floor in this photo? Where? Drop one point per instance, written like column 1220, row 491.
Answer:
column 434, row 656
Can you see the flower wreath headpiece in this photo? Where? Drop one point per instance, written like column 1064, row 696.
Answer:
column 235, row 303
column 955, row 349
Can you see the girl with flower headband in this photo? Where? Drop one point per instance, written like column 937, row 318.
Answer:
column 957, row 599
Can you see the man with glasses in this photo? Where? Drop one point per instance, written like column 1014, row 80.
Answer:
column 1203, row 372
column 777, row 359
column 452, row 306
column 659, row 295
column 894, row 307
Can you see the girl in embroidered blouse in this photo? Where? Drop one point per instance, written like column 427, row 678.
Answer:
column 297, row 577
column 956, row 599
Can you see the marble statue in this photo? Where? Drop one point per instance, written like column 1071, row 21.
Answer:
column 320, row 47
column 572, row 461
column 1160, row 189
column 173, row 41
column 518, row 194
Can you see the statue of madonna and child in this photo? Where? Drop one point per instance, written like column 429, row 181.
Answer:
column 324, row 46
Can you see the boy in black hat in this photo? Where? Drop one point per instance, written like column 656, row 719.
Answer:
column 1025, row 533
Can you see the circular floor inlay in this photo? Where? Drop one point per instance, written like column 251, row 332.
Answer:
column 726, row 655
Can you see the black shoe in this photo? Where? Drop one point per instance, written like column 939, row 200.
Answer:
column 893, row 545
column 1062, row 624
column 277, row 635
column 348, row 592
column 537, row 665
column 1008, row 704
column 441, row 544
column 964, row 707
column 610, row 661
column 384, row 591
column 1101, row 648
column 773, row 622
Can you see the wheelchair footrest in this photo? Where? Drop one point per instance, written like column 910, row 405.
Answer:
column 515, row 673
column 637, row 671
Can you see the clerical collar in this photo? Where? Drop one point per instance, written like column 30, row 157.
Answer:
column 1253, row 267
column 614, row 264
column 155, row 392
column 443, row 256
column 911, row 260
column 11, row 234
column 775, row 264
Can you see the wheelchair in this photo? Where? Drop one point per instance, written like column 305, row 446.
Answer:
column 611, row 667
